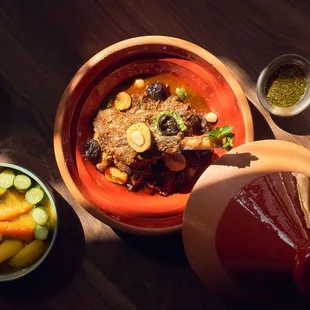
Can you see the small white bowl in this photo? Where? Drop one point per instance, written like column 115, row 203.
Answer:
column 269, row 70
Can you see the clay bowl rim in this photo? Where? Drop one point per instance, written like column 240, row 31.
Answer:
column 26, row 271
column 99, row 57
column 199, row 228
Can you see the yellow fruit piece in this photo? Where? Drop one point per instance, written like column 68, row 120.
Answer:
column 115, row 175
column 25, row 220
column 9, row 248
column 139, row 137
column 2, row 191
column 28, row 255
column 52, row 218
column 9, row 213
column 122, row 101
column 12, row 199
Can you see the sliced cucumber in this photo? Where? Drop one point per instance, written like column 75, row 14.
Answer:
column 40, row 215
column 2, row 191
column 40, row 232
column 34, row 195
column 22, row 182
column 6, row 178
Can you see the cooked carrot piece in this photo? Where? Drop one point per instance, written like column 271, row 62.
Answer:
column 24, row 232
column 9, row 212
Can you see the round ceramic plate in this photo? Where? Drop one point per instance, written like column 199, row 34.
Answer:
column 207, row 226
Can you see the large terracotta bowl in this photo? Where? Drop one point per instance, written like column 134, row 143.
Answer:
column 113, row 204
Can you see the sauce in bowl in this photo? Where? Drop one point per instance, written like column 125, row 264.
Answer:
column 286, row 86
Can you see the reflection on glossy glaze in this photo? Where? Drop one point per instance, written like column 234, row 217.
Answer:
column 303, row 193
column 262, row 235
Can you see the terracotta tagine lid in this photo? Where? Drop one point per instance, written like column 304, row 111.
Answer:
column 246, row 226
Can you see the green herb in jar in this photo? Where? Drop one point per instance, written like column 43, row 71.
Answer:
column 286, row 86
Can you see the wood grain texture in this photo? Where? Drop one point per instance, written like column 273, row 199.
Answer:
column 42, row 45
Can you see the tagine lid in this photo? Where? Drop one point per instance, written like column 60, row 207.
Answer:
column 246, row 227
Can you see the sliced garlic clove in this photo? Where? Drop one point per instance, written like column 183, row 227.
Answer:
column 139, row 83
column 211, row 117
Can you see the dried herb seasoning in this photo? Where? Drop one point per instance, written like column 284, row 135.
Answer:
column 286, row 86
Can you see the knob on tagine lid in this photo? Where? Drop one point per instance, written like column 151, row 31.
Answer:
column 246, row 228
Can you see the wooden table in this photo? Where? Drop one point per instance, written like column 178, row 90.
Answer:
column 42, row 45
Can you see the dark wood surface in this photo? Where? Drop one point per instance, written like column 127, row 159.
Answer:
column 42, row 45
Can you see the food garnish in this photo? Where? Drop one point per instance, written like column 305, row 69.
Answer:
column 181, row 93
column 165, row 121
column 225, row 134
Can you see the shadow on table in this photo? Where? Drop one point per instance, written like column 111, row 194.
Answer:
column 262, row 130
column 298, row 124
column 294, row 302
column 164, row 249
column 58, row 270
column 168, row 251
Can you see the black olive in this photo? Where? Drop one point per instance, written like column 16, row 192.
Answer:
column 157, row 91
column 92, row 150
column 168, row 125
column 196, row 124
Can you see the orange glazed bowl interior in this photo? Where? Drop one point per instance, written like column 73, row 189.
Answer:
column 151, row 55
